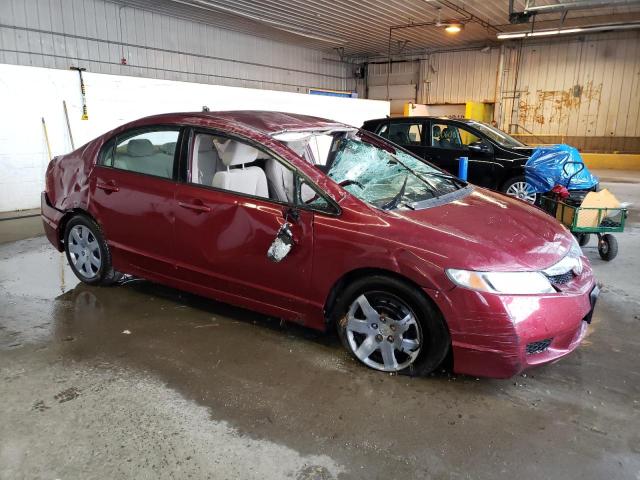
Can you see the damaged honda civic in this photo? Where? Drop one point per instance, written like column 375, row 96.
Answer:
column 323, row 224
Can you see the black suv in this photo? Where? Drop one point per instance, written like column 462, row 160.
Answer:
column 496, row 160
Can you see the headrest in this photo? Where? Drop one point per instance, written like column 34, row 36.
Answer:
column 139, row 147
column 436, row 130
column 237, row 153
column 168, row 148
column 204, row 143
column 446, row 133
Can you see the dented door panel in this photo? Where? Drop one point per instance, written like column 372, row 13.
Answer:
column 225, row 248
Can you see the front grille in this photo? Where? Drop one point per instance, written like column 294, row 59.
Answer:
column 562, row 278
column 538, row 347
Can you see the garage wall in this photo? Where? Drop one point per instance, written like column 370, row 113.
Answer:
column 97, row 34
column 584, row 91
column 29, row 94
column 403, row 80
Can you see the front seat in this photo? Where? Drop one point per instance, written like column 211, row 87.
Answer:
column 247, row 180
column 280, row 180
column 436, row 135
column 206, row 162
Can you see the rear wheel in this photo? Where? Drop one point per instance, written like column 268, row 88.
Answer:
column 390, row 326
column 583, row 239
column 519, row 187
column 88, row 253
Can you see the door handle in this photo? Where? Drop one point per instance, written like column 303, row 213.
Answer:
column 198, row 207
column 291, row 213
column 108, row 187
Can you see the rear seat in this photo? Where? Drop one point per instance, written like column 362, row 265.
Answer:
column 143, row 157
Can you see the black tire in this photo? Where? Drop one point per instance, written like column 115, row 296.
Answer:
column 513, row 182
column 105, row 274
column 583, row 239
column 608, row 247
column 435, row 336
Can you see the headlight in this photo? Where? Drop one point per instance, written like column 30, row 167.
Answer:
column 508, row 283
column 572, row 262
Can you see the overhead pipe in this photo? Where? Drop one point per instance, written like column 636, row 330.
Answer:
column 568, row 30
column 531, row 7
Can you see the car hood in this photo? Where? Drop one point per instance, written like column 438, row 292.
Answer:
column 485, row 230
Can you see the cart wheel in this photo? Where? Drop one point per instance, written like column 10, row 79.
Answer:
column 608, row 247
column 583, row 239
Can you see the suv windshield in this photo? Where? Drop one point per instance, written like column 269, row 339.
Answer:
column 496, row 135
column 383, row 176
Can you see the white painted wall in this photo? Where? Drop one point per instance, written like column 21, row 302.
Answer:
column 29, row 93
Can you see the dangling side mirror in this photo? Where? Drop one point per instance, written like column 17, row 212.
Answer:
column 282, row 244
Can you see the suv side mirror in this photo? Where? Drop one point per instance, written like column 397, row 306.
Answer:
column 479, row 147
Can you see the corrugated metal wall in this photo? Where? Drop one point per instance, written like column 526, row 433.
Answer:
column 403, row 82
column 584, row 91
column 458, row 77
column 96, row 34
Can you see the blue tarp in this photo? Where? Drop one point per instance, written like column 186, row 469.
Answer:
column 551, row 166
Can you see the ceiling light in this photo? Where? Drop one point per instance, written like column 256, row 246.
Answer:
column 453, row 28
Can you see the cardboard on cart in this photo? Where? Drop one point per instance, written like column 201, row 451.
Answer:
column 592, row 218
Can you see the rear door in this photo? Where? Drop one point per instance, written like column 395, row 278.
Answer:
column 407, row 133
column 132, row 191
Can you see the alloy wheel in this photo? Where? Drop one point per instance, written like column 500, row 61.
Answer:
column 523, row 191
column 84, row 251
column 383, row 332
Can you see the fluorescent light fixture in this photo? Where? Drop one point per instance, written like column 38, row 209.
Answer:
column 506, row 36
column 453, row 28
column 566, row 31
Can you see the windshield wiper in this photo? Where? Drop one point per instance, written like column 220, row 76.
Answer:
column 447, row 176
column 395, row 200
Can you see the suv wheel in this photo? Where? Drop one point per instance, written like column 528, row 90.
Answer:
column 519, row 188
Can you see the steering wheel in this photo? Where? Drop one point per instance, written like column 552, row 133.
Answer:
column 346, row 183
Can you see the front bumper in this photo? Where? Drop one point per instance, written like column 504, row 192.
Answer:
column 490, row 333
column 51, row 221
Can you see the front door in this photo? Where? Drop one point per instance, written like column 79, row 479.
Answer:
column 226, row 220
column 449, row 142
column 131, row 195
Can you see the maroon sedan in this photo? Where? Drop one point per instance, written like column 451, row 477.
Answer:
column 325, row 225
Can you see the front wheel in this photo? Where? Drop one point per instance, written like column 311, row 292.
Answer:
column 390, row 326
column 519, row 187
column 88, row 253
column 608, row 247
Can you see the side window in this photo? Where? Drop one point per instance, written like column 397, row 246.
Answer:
column 451, row 137
column 150, row 152
column 236, row 166
column 402, row 133
column 309, row 197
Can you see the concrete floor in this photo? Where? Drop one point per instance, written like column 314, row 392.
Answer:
column 147, row 382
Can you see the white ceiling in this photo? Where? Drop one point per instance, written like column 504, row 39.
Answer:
column 361, row 28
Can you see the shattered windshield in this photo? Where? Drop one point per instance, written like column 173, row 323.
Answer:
column 496, row 135
column 386, row 178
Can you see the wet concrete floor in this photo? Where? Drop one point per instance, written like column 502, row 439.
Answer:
column 144, row 381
